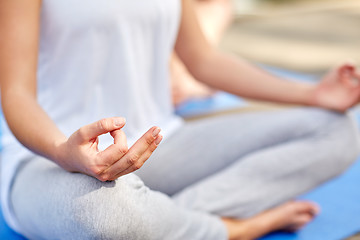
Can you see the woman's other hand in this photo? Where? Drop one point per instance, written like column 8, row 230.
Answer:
column 339, row 88
column 80, row 153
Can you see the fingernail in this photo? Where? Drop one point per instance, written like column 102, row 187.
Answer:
column 156, row 132
column 158, row 140
column 119, row 122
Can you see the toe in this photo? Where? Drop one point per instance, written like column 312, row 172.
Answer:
column 299, row 222
column 307, row 207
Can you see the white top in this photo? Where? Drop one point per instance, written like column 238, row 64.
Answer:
column 100, row 59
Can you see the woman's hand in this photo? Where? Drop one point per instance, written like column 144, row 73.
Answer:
column 80, row 153
column 339, row 89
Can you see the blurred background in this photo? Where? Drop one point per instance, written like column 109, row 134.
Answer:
column 307, row 36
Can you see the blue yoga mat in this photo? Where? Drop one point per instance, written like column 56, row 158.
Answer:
column 340, row 210
column 221, row 101
column 6, row 233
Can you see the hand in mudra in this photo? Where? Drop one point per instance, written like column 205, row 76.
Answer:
column 80, row 153
column 339, row 89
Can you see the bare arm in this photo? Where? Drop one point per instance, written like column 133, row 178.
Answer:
column 19, row 31
column 234, row 75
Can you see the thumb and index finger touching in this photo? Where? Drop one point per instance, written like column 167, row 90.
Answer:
column 119, row 148
column 349, row 75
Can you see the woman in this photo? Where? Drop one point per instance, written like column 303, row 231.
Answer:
column 64, row 66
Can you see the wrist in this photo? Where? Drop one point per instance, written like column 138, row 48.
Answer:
column 308, row 95
column 59, row 151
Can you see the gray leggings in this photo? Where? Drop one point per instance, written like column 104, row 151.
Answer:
column 235, row 166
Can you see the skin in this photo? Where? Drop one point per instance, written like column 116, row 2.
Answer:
column 338, row 90
column 214, row 16
column 19, row 31
column 19, row 24
column 291, row 216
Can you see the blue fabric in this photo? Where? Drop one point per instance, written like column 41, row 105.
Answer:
column 221, row 101
column 340, row 204
column 6, row 233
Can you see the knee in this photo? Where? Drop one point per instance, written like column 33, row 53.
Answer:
column 323, row 122
column 343, row 129
column 347, row 142
column 340, row 136
column 110, row 212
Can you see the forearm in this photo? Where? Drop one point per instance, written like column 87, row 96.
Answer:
column 19, row 30
column 338, row 90
column 234, row 75
column 30, row 124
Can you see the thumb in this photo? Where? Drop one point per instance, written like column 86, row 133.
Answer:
column 100, row 127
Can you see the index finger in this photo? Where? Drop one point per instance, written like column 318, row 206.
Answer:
column 144, row 142
column 135, row 153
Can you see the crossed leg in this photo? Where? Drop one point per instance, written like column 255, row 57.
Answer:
column 238, row 166
column 219, row 188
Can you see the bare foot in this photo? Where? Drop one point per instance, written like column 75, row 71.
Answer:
column 290, row 216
